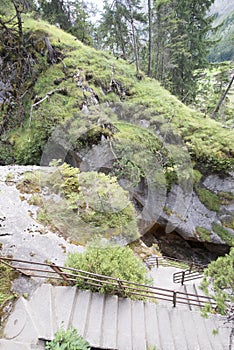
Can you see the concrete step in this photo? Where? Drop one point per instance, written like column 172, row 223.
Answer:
column 62, row 305
column 109, row 324
column 151, row 325
column 164, row 322
column 12, row 345
column 94, row 322
column 20, row 325
column 80, row 311
column 124, row 336
column 178, row 329
column 221, row 340
column 138, row 325
column 202, row 334
column 190, row 330
column 40, row 305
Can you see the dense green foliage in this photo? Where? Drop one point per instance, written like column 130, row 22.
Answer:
column 218, row 281
column 100, row 257
column 89, row 75
column 80, row 205
column 67, row 340
column 6, row 277
column 223, row 50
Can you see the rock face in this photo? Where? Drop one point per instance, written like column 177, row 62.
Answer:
column 178, row 221
column 21, row 236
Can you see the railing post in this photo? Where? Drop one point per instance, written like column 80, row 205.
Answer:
column 182, row 279
column 61, row 273
column 157, row 261
column 191, row 267
column 174, row 298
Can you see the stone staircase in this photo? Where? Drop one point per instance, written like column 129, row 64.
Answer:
column 109, row 322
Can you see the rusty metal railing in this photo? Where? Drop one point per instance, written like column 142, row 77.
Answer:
column 72, row 277
column 154, row 260
column 187, row 275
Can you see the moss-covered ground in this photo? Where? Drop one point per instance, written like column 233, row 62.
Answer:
column 84, row 74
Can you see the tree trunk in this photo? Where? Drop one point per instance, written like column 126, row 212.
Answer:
column 135, row 48
column 150, row 39
column 223, row 97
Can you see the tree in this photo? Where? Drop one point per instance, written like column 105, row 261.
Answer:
column 150, row 44
column 16, row 61
column 218, row 283
column 181, row 44
column 71, row 15
column 120, row 28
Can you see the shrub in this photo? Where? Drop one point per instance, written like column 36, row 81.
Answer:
column 103, row 258
column 220, row 275
column 67, row 340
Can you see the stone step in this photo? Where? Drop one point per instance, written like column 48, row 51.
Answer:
column 109, row 324
column 94, row 329
column 177, row 329
column 152, row 327
column 202, row 334
column 221, row 340
column 138, row 325
column 124, row 327
column 167, row 341
column 62, row 304
column 80, row 311
column 20, row 326
column 190, row 330
column 12, row 345
column 40, row 305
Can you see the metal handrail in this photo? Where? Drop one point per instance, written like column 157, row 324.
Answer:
column 154, row 260
column 73, row 276
column 187, row 275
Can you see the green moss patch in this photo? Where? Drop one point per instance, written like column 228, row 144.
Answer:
column 224, row 234
column 6, row 277
column 203, row 233
column 208, row 198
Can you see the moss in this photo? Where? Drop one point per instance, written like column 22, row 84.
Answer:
column 226, row 197
column 208, row 198
column 209, row 144
column 29, row 183
column 36, row 200
column 7, row 275
column 223, row 233
column 228, row 222
column 203, row 233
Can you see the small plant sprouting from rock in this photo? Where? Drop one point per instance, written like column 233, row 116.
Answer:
column 67, row 340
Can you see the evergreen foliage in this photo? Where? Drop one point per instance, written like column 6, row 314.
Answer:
column 103, row 258
column 218, row 281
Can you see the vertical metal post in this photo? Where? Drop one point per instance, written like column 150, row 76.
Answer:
column 174, row 298
column 190, row 267
column 157, row 261
column 182, row 279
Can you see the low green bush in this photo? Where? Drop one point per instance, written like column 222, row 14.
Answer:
column 101, row 257
column 67, row 340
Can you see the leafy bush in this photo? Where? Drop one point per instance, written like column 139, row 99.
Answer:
column 103, row 258
column 220, row 275
column 67, row 340
column 92, row 201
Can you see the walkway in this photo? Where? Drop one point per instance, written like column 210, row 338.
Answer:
column 109, row 322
